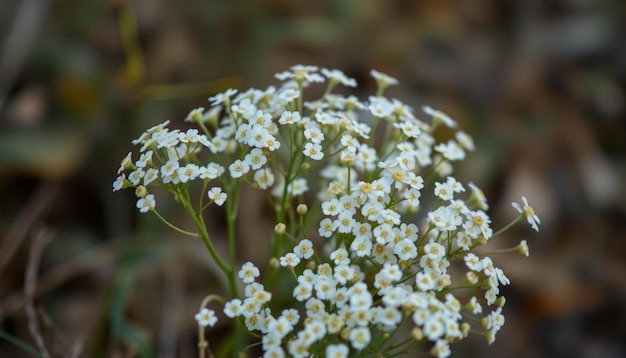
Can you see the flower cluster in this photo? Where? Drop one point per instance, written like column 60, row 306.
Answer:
column 375, row 272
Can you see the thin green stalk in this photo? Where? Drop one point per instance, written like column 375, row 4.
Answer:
column 184, row 232
column 517, row 219
column 197, row 219
column 232, row 209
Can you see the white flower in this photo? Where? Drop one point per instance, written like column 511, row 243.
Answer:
column 433, row 327
column 169, row 167
column 340, row 257
column 325, row 287
column 326, row 227
column 331, row 207
column 439, row 116
column 206, row 317
column 359, row 337
column 289, row 94
column 301, row 73
column 248, row 272
column 424, row 281
column 528, row 213
column 264, row 178
column 211, row 171
column 441, row 349
column 380, row 107
column 337, row 351
column 344, row 223
column 389, row 316
column 313, row 151
column 280, row 326
column 217, row 196
column 304, row 249
column 144, row 159
column 451, row 150
column 384, row 79
column 262, row 119
column 233, row 308
column 151, row 175
column 146, row 203
column 298, row 186
column 478, row 196
column 188, row 172
column 394, row 297
column 314, row 134
column 136, row 176
column 118, row 184
column 257, row 136
column 465, row 140
column 238, row 168
column 222, row 98
column 126, row 163
column 444, row 191
column 339, row 76
column 405, row 250
column 255, row 159
column 289, row 117
column 289, row 260
column 303, row 291
column 473, row 262
column 362, row 246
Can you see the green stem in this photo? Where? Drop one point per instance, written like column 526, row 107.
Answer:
column 232, row 209
column 184, row 232
column 517, row 219
column 197, row 219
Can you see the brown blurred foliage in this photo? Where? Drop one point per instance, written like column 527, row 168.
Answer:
column 539, row 84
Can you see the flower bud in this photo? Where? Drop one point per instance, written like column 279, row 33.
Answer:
column 345, row 333
column 471, row 277
column 465, row 328
column 501, row 301
column 274, row 262
column 279, row 228
column 302, row 209
column 417, row 333
column 490, row 335
column 522, row 248
column 141, row 191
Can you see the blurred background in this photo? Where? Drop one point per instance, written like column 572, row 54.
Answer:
column 539, row 84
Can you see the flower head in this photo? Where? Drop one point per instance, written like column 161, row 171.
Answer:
column 206, row 317
column 528, row 213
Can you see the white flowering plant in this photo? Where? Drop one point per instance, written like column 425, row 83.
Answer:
column 376, row 245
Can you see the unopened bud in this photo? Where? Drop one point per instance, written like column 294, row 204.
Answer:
column 141, row 191
column 302, row 209
column 501, row 301
column 522, row 248
column 471, row 277
column 465, row 328
column 345, row 333
column 274, row 262
column 417, row 334
column 279, row 228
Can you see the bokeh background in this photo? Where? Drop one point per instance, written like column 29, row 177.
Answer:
column 538, row 83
